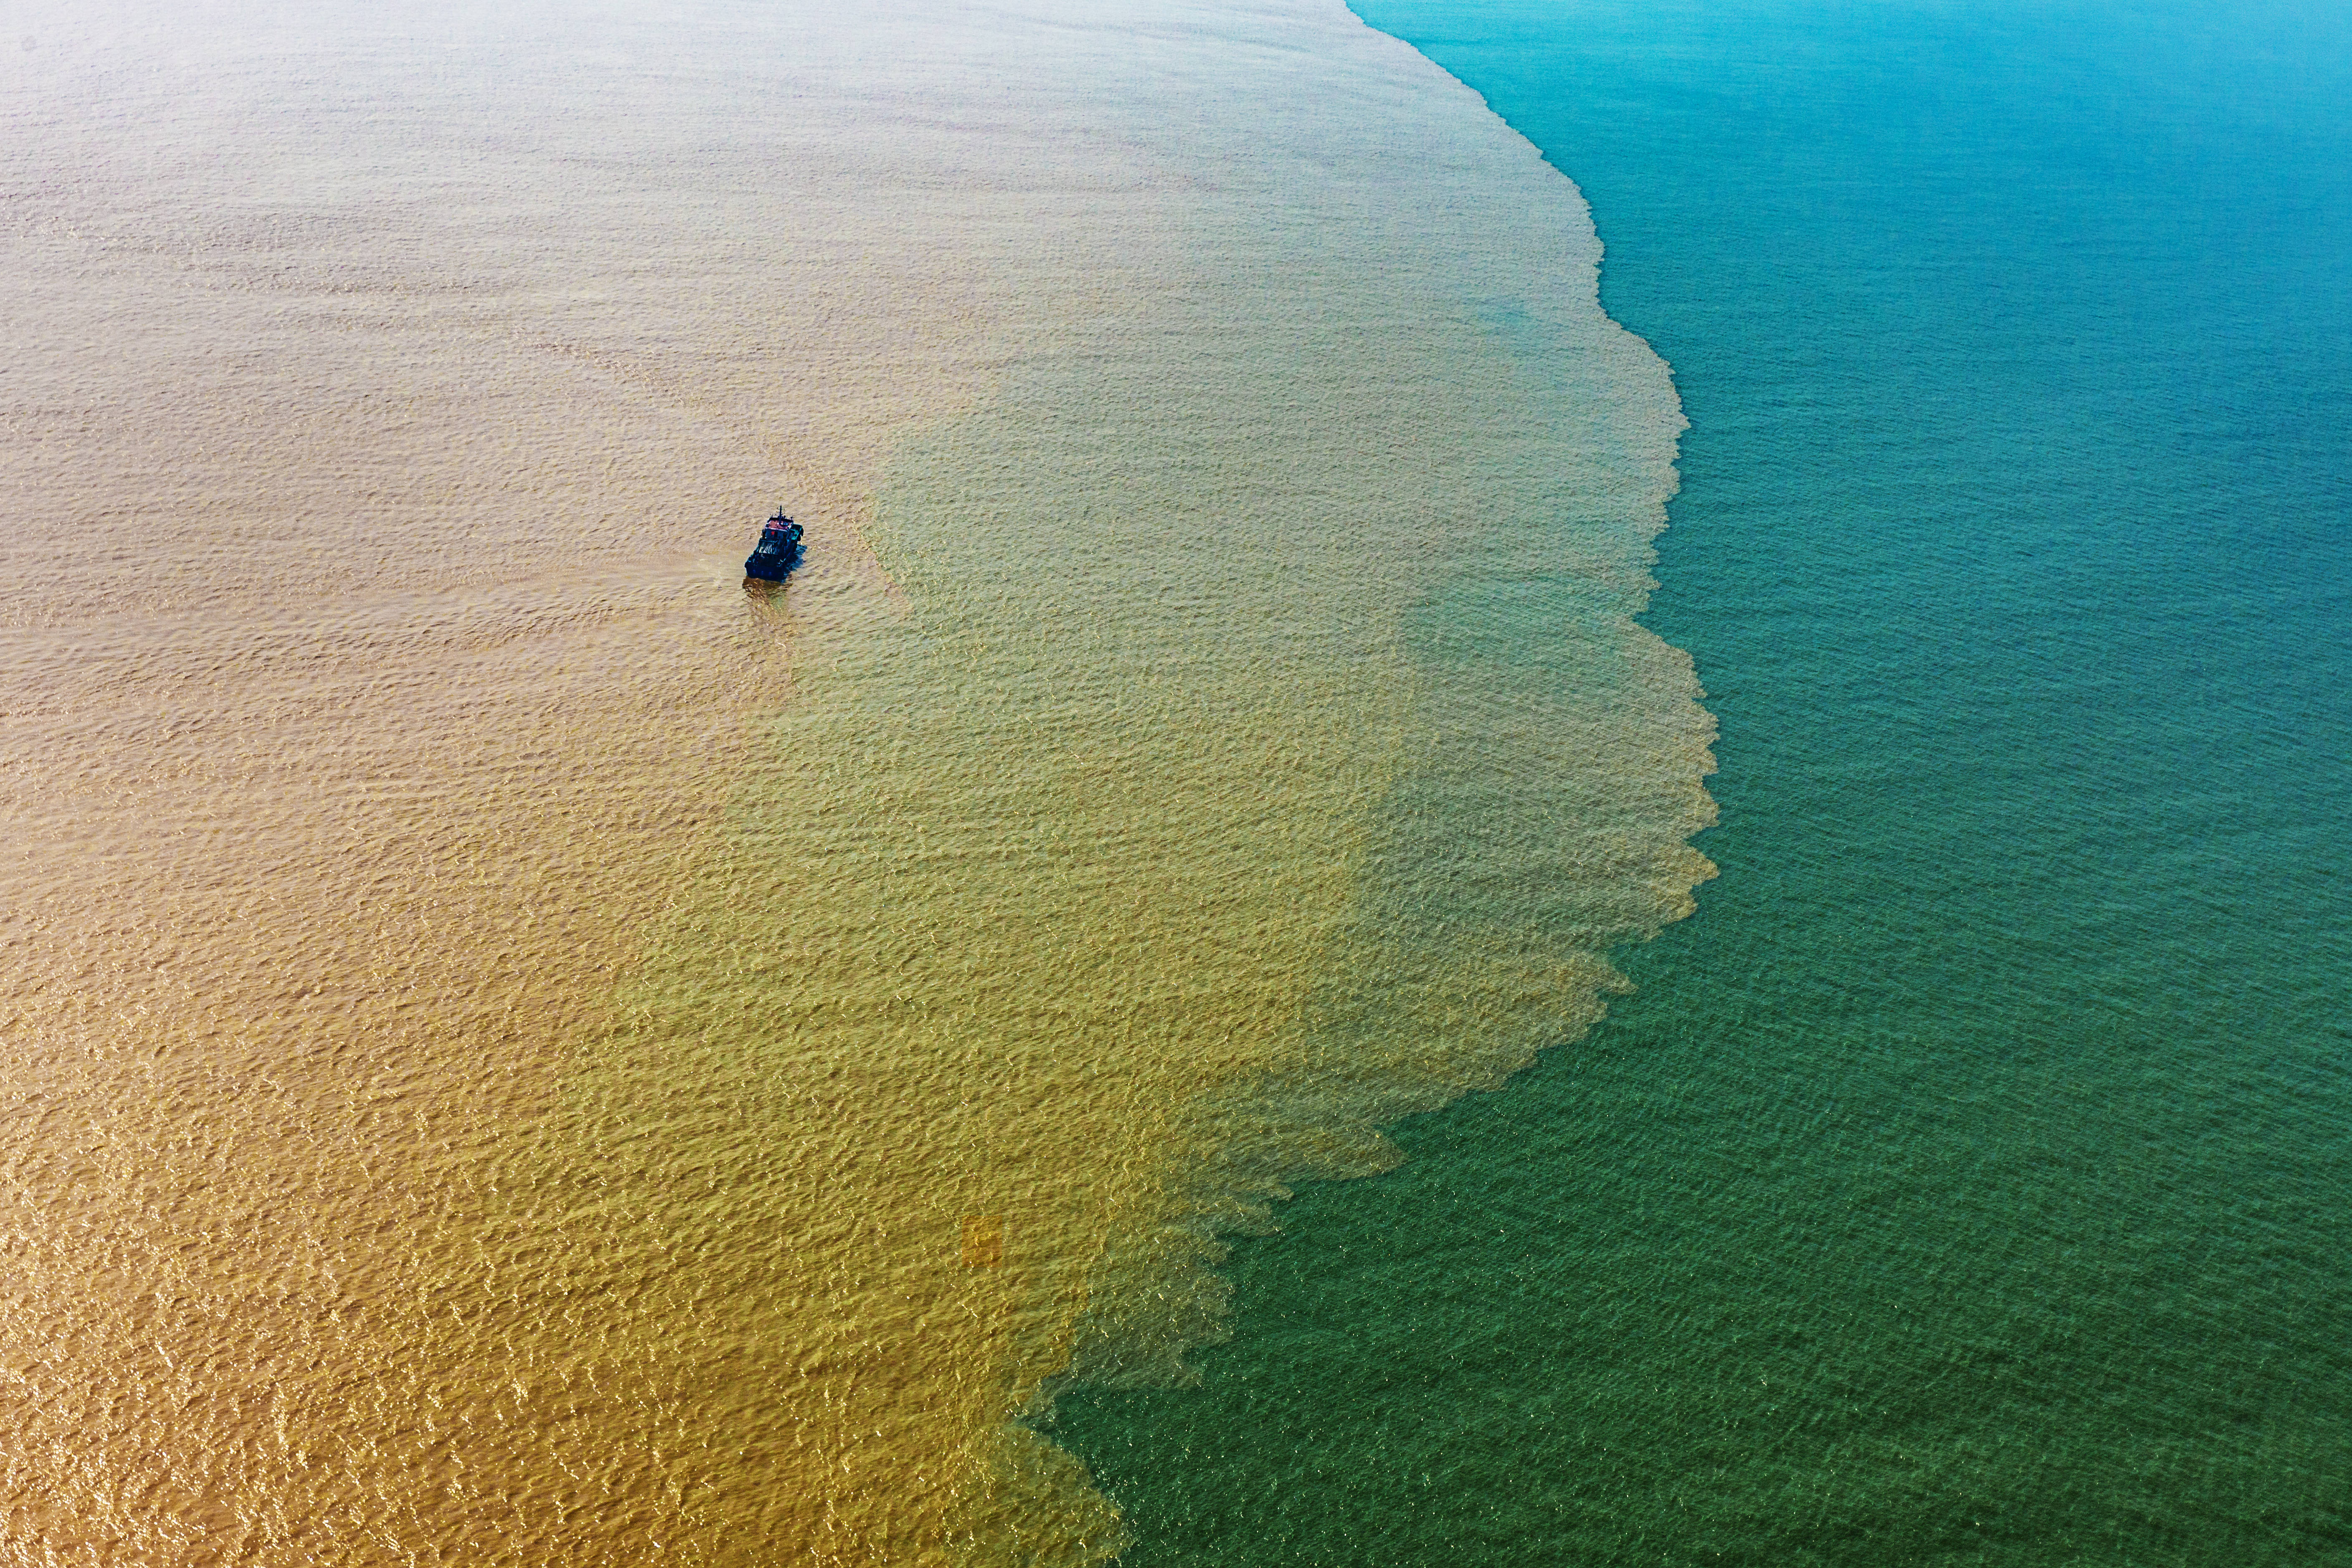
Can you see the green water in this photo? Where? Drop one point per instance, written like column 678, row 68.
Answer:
column 1967, row 1180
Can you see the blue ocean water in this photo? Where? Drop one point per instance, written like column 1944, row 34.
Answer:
column 1970, row 1180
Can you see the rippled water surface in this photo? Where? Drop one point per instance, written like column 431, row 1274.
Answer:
column 1967, row 1181
column 516, row 1051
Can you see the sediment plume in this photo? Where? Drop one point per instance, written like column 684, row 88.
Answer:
column 517, row 1052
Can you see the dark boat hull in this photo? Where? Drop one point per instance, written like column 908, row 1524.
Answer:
column 779, row 550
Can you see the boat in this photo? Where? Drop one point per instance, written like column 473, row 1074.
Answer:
column 779, row 550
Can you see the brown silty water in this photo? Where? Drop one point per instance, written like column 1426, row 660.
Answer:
column 516, row 1051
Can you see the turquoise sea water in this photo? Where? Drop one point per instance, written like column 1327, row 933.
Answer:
column 1970, row 1180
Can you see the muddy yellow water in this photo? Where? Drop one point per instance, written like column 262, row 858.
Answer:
column 516, row 1051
